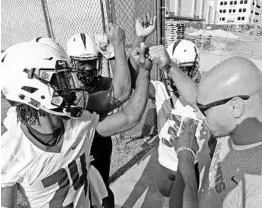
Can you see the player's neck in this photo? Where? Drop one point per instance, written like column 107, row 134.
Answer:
column 248, row 132
column 48, row 124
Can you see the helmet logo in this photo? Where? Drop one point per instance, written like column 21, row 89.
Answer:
column 83, row 37
column 45, row 75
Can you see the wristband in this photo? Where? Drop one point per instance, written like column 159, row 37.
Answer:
column 186, row 149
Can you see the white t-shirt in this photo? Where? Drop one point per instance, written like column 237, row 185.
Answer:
column 169, row 122
column 55, row 176
column 235, row 177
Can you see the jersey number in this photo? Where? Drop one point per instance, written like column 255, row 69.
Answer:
column 62, row 178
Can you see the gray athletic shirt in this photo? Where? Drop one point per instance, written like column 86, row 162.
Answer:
column 235, row 177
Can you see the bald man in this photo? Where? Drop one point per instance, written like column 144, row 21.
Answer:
column 230, row 100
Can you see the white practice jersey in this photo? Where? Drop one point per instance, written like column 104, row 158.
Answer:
column 169, row 122
column 50, row 176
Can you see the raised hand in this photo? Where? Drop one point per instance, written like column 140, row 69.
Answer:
column 159, row 55
column 145, row 25
column 187, row 137
column 116, row 34
column 139, row 55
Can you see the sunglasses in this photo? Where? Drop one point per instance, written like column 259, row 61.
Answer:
column 204, row 108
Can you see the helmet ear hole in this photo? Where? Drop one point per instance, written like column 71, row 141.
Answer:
column 29, row 89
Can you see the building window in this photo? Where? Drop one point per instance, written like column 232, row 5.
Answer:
column 231, row 2
column 258, row 6
column 235, row 2
column 234, row 10
column 224, row 11
column 256, row 13
column 225, row 3
column 243, row 18
column 230, row 10
column 240, row 10
column 241, row 2
column 238, row 18
column 244, row 10
column 245, row 1
column 251, row 11
column 220, row 11
column 223, row 18
column 221, row 3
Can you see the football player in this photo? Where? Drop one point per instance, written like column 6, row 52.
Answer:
column 47, row 151
column 173, row 96
column 88, row 61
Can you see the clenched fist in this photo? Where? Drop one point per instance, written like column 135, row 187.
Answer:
column 159, row 55
column 116, row 34
column 141, row 58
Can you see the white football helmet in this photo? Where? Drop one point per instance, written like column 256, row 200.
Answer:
column 80, row 47
column 40, row 76
column 52, row 43
column 186, row 55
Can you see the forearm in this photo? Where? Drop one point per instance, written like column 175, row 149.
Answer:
column 131, row 114
column 138, row 101
column 185, row 85
column 121, row 81
column 134, row 70
column 137, row 41
column 184, row 192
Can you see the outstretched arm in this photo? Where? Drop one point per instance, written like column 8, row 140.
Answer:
column 185, row 85
column 184, row 190
column 105, row 101
column 132, row 113
column 144, row 27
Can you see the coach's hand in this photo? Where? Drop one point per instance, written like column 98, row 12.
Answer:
column 116, row 34
column 139, row 55
column 145, row 25
column 187, row 137
column 159, row 55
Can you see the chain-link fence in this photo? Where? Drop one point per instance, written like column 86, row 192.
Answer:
column 69, row 17
column 124, row 13
column 21, row 21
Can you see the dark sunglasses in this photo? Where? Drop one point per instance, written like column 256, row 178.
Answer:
column 204, row 108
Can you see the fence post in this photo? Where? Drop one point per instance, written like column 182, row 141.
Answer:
column 163, row 17
column 47, row 19
column 158, row 12
column 103, row 16
column 108, row 11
